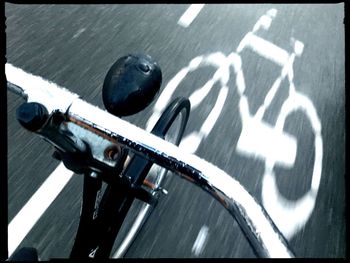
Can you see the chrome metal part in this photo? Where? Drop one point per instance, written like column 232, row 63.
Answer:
column 97, row 143
column 93, row 174
column 39, row 90
column 265, row 238
column 17, row 90
column 263, row 235
column 164, row 191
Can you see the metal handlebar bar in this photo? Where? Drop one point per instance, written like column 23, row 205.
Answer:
column 263, row 235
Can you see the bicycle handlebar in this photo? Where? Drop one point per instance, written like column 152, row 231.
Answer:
column 263, row 235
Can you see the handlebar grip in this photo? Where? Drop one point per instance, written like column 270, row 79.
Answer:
column 32, row 115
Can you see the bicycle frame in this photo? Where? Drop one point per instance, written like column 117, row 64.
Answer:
column 263, row 235
column 100, row 223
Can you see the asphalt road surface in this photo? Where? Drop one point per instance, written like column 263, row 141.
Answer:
column 74, row 46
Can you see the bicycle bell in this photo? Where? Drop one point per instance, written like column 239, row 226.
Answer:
column 131, row 84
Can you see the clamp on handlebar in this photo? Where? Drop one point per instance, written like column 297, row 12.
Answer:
column 74, row 152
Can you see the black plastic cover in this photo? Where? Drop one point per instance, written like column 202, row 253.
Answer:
column 131, row 84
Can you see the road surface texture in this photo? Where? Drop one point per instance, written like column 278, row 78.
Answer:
column 74, row 46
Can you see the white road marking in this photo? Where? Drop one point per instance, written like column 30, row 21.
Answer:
column 264, row 22
column 79, row 32
column 291, row 216
column 275, row 146
column 198, row 95
column 27, row 217
column 259, row 139
column 191, row 142
column 36, row 206
column 200, row 242
column 215, row 112
column 264, row 48
column 298, row 47
column 190, row 14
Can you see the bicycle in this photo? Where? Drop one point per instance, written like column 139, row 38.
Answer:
column 116, row 157
column 279, row 148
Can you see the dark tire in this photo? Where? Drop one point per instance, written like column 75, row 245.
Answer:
column 170, row 126
column 25, row 254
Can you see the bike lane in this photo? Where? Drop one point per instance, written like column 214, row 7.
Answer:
column 219, row 147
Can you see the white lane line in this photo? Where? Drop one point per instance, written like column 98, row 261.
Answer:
column 190, row 14
column 26, row 218
column 200, row 242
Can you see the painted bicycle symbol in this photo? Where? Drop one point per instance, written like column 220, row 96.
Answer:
column 278, row 147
